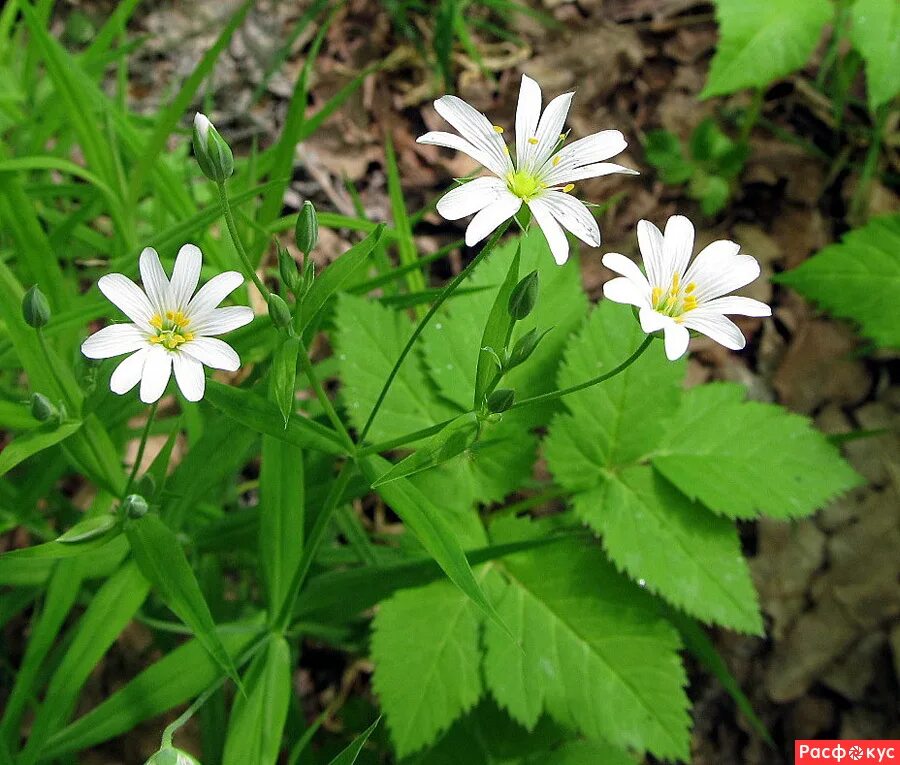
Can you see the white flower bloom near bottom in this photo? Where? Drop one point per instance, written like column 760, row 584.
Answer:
column 171, row 328
column 676, row 297
column 544, row 172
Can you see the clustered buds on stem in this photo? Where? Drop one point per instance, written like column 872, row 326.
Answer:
column 213, row 154
column 35, row 308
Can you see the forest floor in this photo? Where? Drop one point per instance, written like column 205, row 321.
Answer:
column 829, row 585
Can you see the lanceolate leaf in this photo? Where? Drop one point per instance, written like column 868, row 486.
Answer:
column 34, row 441
column 349, row 755
column 858, row 279
column 161, row 559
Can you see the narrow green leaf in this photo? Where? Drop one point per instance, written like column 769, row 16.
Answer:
column 88, row 529
column 162, row 560
column 349, row 755
column 31, row 442
column 406, row 246
column 284, row 377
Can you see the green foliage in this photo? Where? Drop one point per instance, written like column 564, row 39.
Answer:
column 714, row 162
column 762, row 41
column 875, row 33
column 857, row 279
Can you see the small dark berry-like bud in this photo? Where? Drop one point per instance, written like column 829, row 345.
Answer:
column 306, row 232
column 213, row 154
column 35, row 308
column 500, row 400
column 524, row 296
column 135, row 506
column 279, row 312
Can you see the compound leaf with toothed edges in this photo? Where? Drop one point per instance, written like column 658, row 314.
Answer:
column 786, row 469
column 875, row 33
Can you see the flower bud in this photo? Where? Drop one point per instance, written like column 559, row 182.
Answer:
column 306, row 232
column 134, row 506
column 500, row 400
column 213, row 154
column 523, row 297
column 35, row 308
column 42, row 409
column 287, row 268
column 170, row 756
column 279, row 312
column 524, row 347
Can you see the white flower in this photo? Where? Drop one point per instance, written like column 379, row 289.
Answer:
column 543, row 173
column 202, row 123
column 674, row 297
column 169, row 329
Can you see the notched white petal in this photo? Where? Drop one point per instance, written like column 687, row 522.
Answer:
column 189, row 376
column 114, row 340
column 155, row 375
column 125, row 295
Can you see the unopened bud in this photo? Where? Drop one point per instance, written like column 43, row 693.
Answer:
column 306, row 232
column 524, row 347
column 287, row 268
column 500, row 400
column 524, row 296
column 35, row 308
column 134, row 506
column 213, row 154
column 42, row 409
column 171, row 756
column 279, row 312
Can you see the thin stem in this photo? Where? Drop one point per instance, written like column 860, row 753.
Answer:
column 51, row 362
column 311, row 547
column 238, row 245
column 446, row 293
column 751, row 116
column 869, row 166
column 409, row 438
column 587, row 384
column 141, row 446
column 316, row 384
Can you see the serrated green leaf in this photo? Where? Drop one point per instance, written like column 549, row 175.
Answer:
column 349, row 755
column 857, row 279
column 585, row 753
column 762, row 41
column 257, row 719
column 430, row 634
column 676, row 547
column 875, row 33
column 161, row 559
column 744, row 458
column 594, row 651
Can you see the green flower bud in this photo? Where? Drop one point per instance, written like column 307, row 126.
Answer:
column 171, row 756
column 213, row 154
column 42, row 409
column 500, row 400
column 306, row 232
column 524, row 347
column 287, row 268
column 35, row 308
column 523, row 297
column 134, row 506
column 279, row 312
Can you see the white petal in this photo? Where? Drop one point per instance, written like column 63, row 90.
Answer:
column 114, row 340
column 452, row 141
column 650, row 242
column 573, row 215
column 185, row 276
column 720, row 269
column 189, row 376
column 721, row 329
column 155, row 374
column 653, row 321
column 617, row 262
column 471, row 197
column 678, row 244
column 557, row 177
column 528, row 111
column 624, row 290
column 585, row 151
column 213, row 292
column 735, row 304
column 212, row 352
column 128, row 373
column 156, row 284
column 677, row 338
column 222, row 320
column 555, row 236
column 127, row 297
column 477, row 129
column 549, row 129
column 202, row 123
column 490, row 217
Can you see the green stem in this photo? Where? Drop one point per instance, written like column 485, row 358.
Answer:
column 51, row 362
column 316, row 384
column 238, row 245
column 446, row 293
column 587, row 384
column 311, row 547
column 409, row 438
column 869, row 165
column 141, row 447
column 751, row 116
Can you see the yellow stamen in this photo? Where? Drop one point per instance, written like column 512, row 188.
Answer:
column 556, row 160
column 498, row 129
column 506, row 150
column 676, row 281
column 532, row 140
column 656, row 295
column 562, row 136
column 156, row 339
column 156, row 321
column 568, row 187
column 188, row 336
column 690, row 303
column 690, row 288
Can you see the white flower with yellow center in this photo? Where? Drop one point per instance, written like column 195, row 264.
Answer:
column 676, row 297
column 170, row 329
column 544, row 172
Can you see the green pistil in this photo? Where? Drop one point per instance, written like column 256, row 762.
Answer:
column 524, row 185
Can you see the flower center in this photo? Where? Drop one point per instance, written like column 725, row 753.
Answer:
column 171, row 330
column 675, row 300
column 524, row 185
